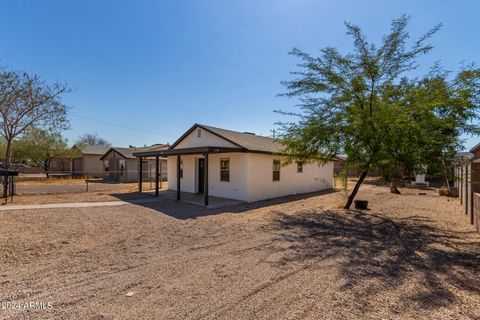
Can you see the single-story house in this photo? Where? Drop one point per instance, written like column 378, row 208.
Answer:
column 119, row 164
column 237, row 165
column 86, row 161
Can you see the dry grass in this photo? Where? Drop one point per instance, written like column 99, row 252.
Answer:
column 409, row 257
column 22, row 180
column 74, row 191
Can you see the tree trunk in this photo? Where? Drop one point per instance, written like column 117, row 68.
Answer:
column 445, row 175
column 355, row 189
column 46, row 168
column 6, row 166
column 394, row 185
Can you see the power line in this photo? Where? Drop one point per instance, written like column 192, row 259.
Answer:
column 122, row 126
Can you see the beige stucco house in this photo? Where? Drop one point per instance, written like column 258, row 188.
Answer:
column 119, row 164
column 86, row 161
column 237, row 165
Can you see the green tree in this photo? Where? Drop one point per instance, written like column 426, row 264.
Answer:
column 92, row 139
column 362, row 104
column 445, row 109
column 41, row 147
column 26, row 102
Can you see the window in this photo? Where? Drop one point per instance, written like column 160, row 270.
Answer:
column 299, row 166
column 276, row 170
column 199, row 133
column 181, row 168
column 225, row 170
column 121, row 166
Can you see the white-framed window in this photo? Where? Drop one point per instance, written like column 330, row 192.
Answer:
column 276, row 170
column 225, row 169
column 299, row 166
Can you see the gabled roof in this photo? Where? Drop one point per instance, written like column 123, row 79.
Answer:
column 244, row 140
column 93, row 150
column 127, row 153
column 475, row 149
column 464, row 154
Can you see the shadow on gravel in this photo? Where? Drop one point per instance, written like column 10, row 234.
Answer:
column 167, row 204
column 385, row 253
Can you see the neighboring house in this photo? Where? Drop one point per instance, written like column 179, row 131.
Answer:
column 121, row 165
column 86, row 161
column 237, row 165
column 339, row 164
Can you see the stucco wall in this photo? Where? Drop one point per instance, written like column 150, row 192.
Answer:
column 148, row 169
column 92, row 165
column 236, row 188
column 251, row 177
column 260, row 186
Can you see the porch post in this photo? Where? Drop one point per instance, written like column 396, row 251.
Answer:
column 178, row 177
column 156, row 174
column 205, row 181
column 140, row 173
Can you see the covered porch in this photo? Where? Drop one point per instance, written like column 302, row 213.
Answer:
column 204, row 152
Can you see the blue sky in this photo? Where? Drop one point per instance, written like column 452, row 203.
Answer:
column 154, row 68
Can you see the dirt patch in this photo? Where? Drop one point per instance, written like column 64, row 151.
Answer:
column 409, row 256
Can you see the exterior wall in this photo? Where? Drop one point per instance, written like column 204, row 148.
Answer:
column 206, row 139
column 236, row 188
column 250, row 177
column 148, row 170
column 314, row 177
column 92, row 165
column 131, row 169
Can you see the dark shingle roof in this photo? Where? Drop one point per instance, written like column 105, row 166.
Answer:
column 245, row 140
column 128, row 152
column 249, row 141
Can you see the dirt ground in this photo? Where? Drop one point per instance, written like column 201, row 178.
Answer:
column 410, row 257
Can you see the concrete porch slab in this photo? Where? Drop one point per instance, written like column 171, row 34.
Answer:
column 197, row 199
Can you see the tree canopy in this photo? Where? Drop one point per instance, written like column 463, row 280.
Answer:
column 41, row 147
column 27, row 102
column 92, row 139
column 366, row 104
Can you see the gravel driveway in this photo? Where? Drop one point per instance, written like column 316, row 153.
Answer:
column 411, row 256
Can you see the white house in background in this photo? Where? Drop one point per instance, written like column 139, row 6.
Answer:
column 237, row 165
column 86, row 161
column 119, row 164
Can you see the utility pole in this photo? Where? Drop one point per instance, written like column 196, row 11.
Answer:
column 273, row 133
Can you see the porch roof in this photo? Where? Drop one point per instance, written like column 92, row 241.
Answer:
column 189, row 151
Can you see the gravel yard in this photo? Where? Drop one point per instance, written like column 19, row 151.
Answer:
column 410, row 256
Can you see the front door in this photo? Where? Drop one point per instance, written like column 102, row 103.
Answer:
column 201, row 175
